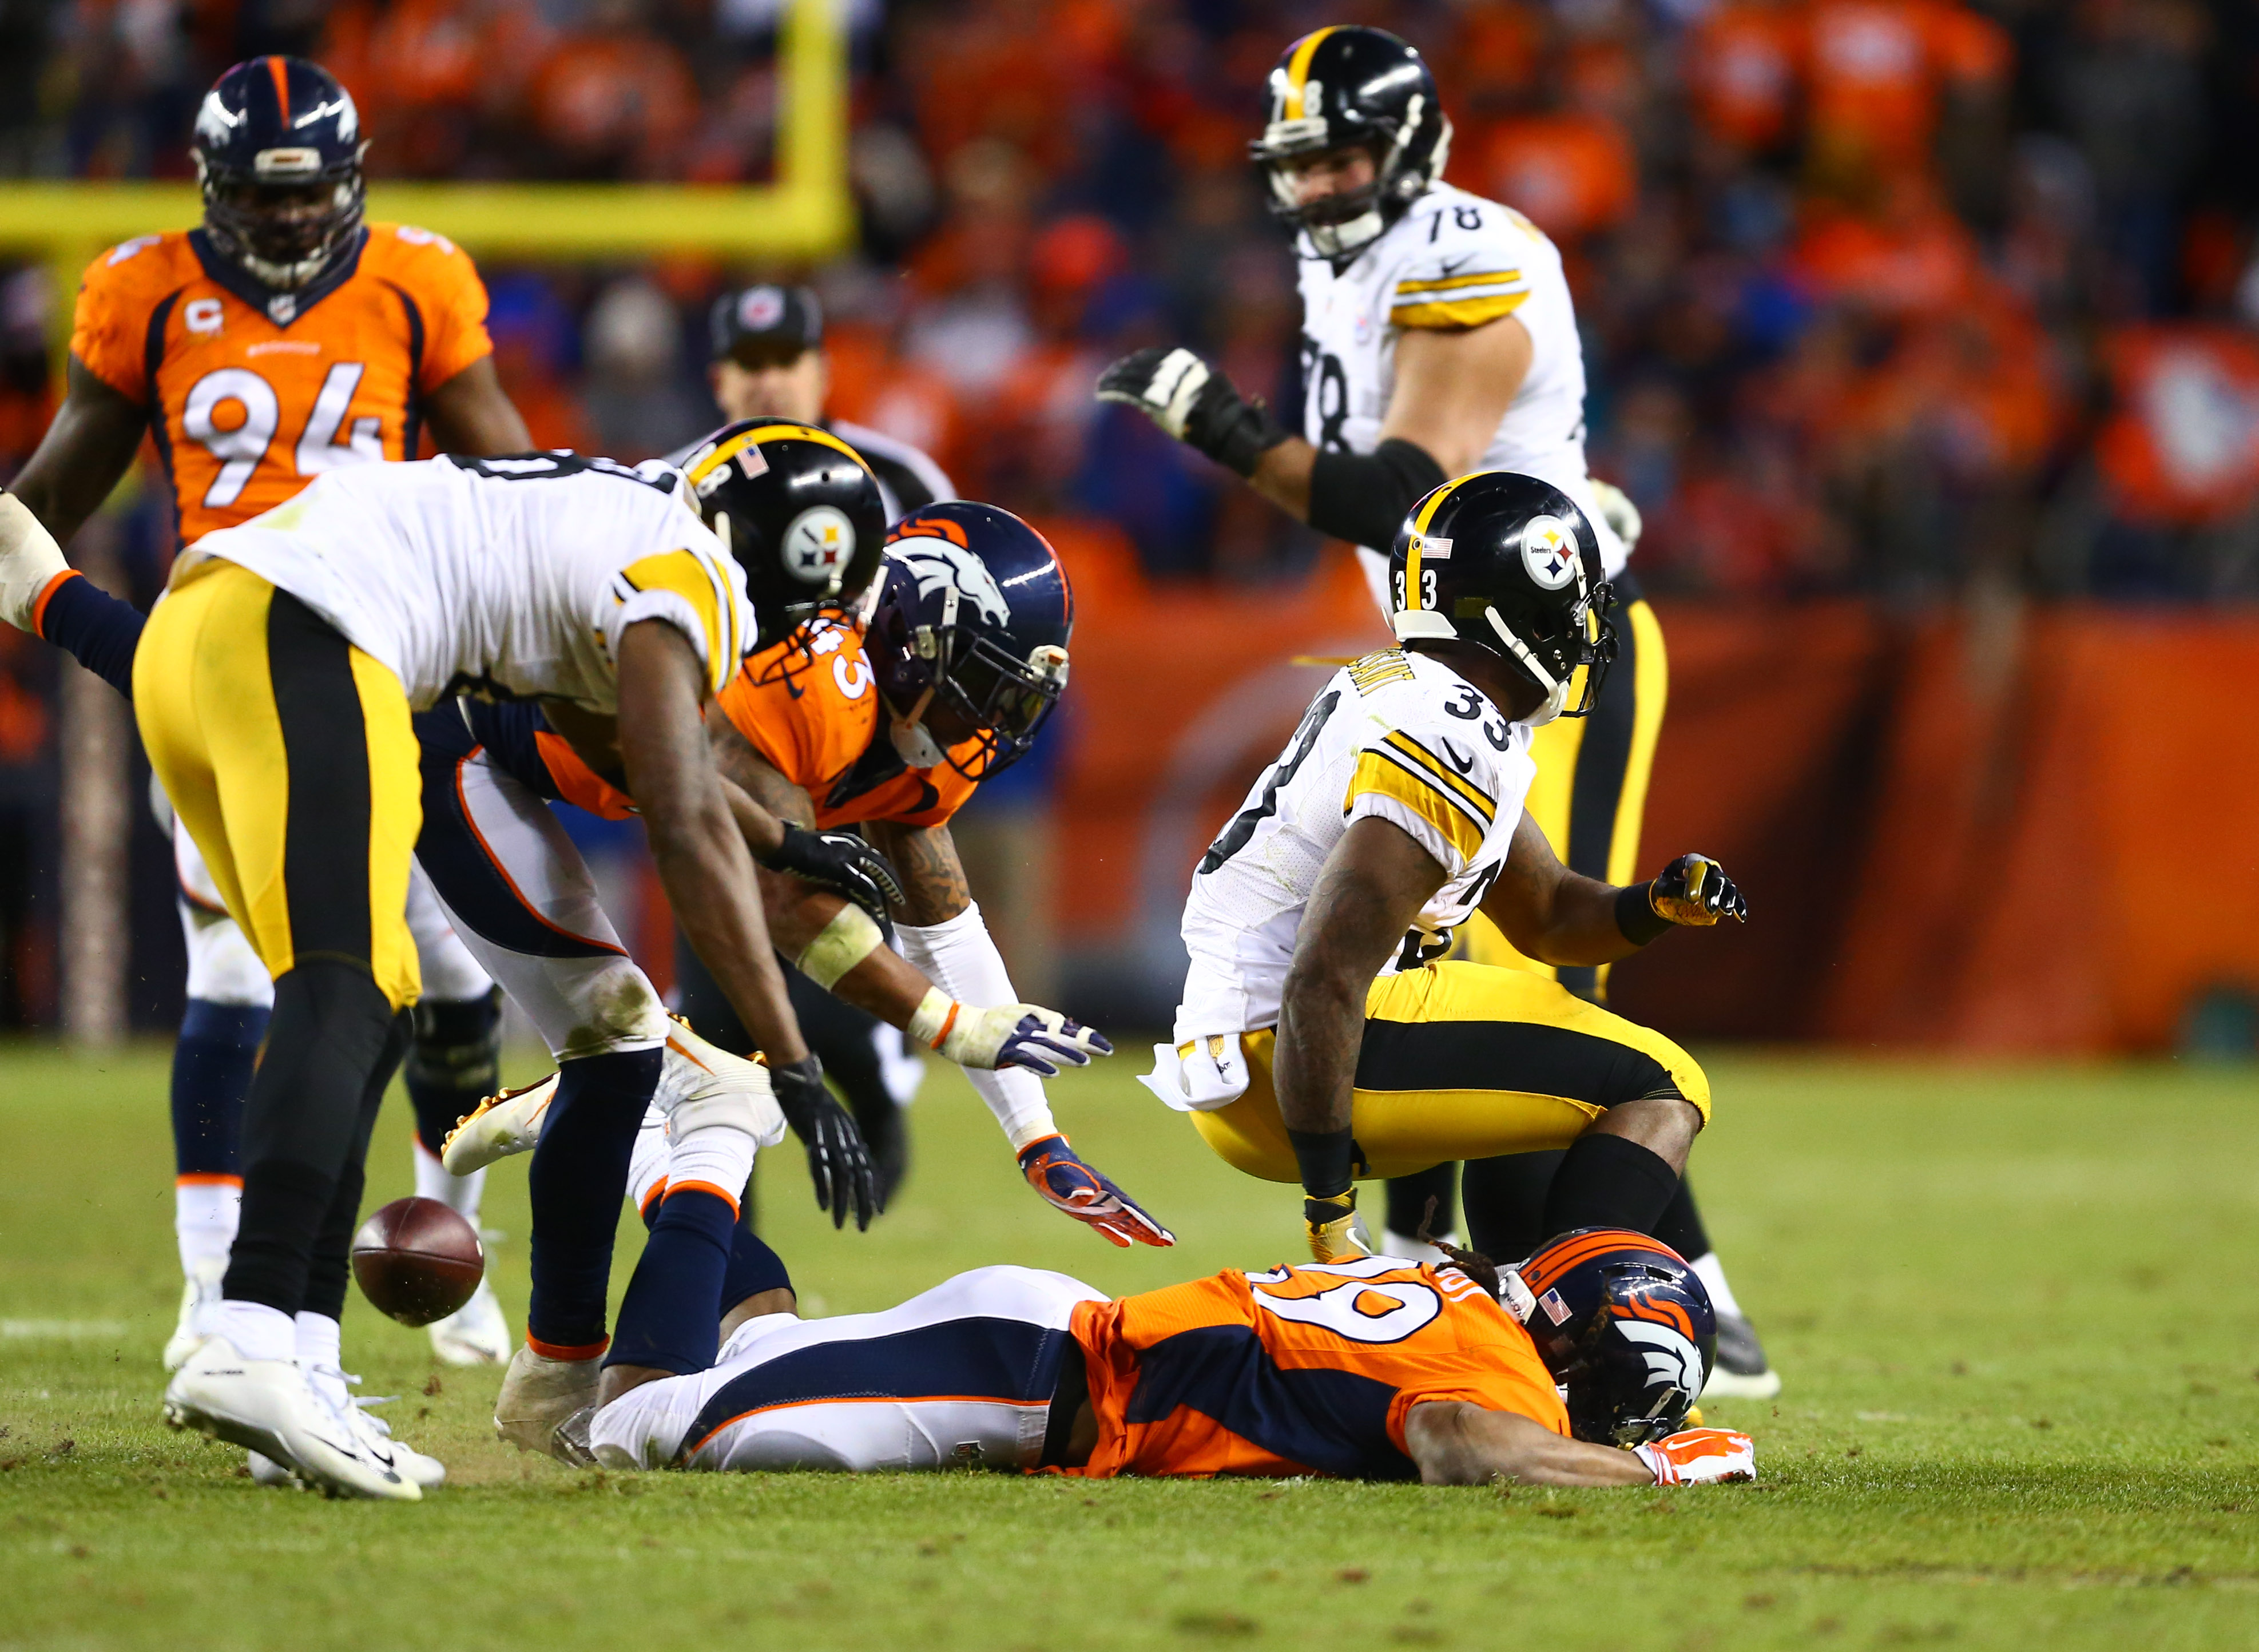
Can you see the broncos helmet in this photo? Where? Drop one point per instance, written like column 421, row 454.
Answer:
column 972, row 619
column 1624, row 1325
column 799, row 509
column 278, row 151
column 1508, row 564
column 1351, row 85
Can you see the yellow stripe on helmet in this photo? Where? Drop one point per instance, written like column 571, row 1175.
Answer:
column 1419, row 534
column 723, row 452
column 1298, row 70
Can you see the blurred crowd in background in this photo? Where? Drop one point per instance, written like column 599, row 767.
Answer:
column 1913, row 299
column 1881, row 296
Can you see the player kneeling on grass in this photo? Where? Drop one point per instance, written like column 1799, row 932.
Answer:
column 1379, row 1368
column 1323, row 1035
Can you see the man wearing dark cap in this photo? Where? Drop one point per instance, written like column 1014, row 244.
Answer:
column 769, row 361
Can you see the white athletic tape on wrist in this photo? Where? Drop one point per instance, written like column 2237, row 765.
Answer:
column 934, row 1019
column 843, row 943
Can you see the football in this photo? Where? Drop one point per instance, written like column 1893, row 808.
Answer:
column 418, row 1261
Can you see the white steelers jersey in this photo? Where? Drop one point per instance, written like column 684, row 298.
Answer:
column 513, row 577
column 1395, row 735
column 1453, row 260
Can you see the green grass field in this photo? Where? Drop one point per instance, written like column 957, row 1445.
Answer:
column 2015, row 1309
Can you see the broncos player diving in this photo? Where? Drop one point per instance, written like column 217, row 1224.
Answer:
column 1439, row 337
column 1324, row 1035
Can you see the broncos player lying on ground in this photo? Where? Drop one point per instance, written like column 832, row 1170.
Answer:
column 282, row 338
column 575, row 581
column 1323, row 1036
column 1440, row 337
column 1577, row 1369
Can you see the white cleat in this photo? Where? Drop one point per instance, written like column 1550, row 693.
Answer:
column 265, row 1470
column 198, row 1293
column 272, row 1407
column 701, row 1085
column 539, row 1396
column 1393, row 1243
column 498, row 1128
column 474, row 1334
column 426, row 1471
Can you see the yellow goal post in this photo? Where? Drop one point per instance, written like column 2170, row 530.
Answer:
column 805, row 214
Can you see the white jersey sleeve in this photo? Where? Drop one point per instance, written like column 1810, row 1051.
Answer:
column 689, row 589
column 1463, row 263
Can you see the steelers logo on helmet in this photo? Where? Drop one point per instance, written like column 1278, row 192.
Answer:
column 817, row 545
column 1549, row 549
column 798, row 509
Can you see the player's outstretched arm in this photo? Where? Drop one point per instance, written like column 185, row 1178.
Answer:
column 93, row 437
column 1559, row 916
column 1455, row 1444
column 708, row 878
column 1367, row 896
column 472, row 415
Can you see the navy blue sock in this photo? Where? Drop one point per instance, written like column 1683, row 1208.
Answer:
column 577, row 1177
column 94, row 629
column 753, row 1268
column 671, row 1317
column 455, row 1063
column 212, row 1074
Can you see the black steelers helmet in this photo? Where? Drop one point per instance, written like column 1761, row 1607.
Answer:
column 1347, row 85
column 278, row 150
column 799, row 509
column 1624, row 1325
column 1508, row 563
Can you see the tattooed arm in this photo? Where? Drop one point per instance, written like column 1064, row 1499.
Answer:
column 933, row 878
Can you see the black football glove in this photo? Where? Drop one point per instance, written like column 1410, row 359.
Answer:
column 1694, row 890
column 837, row 1161
column 1194, row 403
column 843, row 864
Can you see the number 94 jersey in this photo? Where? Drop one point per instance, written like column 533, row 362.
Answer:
column 250, row 395
column 1397, row 736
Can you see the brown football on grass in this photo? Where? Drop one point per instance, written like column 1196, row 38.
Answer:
column 418, row 1261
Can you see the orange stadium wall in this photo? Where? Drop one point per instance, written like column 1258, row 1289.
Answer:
column 2035, row 831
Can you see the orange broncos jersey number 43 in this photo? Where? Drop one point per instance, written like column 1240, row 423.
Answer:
column 245, row 409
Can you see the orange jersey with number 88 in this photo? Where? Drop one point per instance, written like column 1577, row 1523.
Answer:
column 1307, row 1368
column 246, row 404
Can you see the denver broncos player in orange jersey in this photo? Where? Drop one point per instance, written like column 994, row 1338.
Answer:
column 1377, row 1368
column 282, row 338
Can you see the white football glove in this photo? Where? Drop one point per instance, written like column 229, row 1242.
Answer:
column 1162, row 383
column 1618, row 511
column 29, row 560
column 1027, row 1036
column 1700, row 1456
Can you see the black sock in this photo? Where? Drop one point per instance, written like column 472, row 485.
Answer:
column 456, row 1062
column 1409, row 1197
column 1680, row 1225
column 331, row 1265
column 1505, row 1200
column 671, row 1317
column 1608, row 1181
column 331, row 1031
column 577, row 1177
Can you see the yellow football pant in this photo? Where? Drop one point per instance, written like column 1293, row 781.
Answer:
column 1591, row 790
column 288, row 754
column 1464, row 1061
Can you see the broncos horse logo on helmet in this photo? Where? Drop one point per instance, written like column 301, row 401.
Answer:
column 1624, row 1325
column 799, row 509
column 968, row 636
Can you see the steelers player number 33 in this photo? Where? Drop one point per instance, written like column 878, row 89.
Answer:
column 234, row 414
